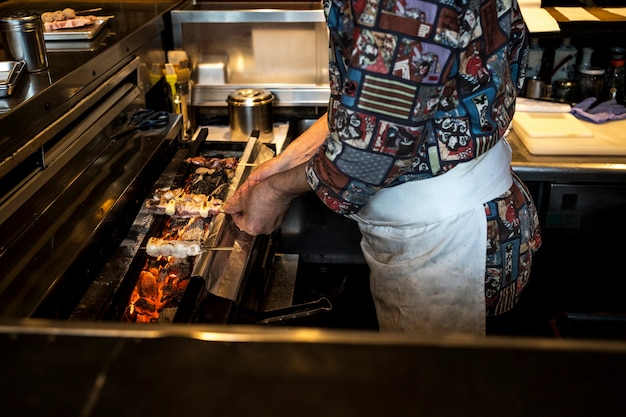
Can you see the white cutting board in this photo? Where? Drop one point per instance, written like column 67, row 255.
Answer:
column 564, row 134
column 550, row 125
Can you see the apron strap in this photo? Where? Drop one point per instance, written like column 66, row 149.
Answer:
column 431, row 200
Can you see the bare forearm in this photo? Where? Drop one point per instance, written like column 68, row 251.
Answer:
column 262, row 208
column 286, row 185
column 261, row 203
column 305, row 146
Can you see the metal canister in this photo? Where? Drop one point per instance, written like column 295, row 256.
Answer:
column 564, row 90
column 590, row 82
column 250, row 109
column 22, row 37
column 535, row 87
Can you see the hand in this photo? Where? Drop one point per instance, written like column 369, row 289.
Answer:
column 261, row 202
column 257, row 210
column 262, row 206
column 258, row 174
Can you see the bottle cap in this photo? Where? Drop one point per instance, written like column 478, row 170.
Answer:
column 618, row 52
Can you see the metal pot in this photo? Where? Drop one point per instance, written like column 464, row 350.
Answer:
column 250, row 109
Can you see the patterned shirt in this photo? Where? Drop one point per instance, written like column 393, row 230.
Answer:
column 417, row 87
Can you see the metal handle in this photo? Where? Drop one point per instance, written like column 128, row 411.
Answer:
column 296, row 312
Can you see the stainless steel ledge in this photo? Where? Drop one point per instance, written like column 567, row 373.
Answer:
column 286, row 95
column 244, row 12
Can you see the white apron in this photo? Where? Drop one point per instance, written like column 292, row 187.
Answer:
column 425, row 244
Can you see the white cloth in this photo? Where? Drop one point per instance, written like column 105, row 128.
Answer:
column 425, row 244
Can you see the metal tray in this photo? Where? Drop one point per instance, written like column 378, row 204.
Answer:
column 73, row 34
column 79, row 45
column 10, row 74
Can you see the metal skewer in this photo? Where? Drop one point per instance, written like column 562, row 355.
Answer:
column 220, row 248
column 207, row 249
column 97, row 9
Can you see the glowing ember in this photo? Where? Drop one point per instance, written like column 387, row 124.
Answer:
column 163, row 280
column 159, row 287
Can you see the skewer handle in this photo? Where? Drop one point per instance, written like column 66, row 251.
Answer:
column 97, row 9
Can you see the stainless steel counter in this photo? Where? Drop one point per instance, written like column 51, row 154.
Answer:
column 56, row 152
column 76, row 71
column 551, row 168
column 580, row 200
column 104, row 370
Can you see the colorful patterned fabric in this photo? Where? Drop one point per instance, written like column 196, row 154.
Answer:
column 513, row 236
column 417, row 87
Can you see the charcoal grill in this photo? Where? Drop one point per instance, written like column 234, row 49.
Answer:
column 213, row 279
column 72, row 199
column 95, row 281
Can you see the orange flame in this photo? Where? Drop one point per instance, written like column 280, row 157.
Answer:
column 160, row 285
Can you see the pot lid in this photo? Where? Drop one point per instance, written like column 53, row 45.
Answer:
column 250, row 97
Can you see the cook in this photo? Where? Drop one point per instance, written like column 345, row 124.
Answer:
column 412, row 148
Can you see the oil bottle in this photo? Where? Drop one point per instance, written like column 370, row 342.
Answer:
column 614, row 81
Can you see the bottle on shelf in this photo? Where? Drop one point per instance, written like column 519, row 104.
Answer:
column 614, row 80
column 534, row 86
column 564, row 61
column 535, row 59
column 589, row 79
column 585, row 60
column 614, row 77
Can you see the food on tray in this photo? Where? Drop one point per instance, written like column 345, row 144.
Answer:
column 190, row 207
column 213, row 162
column 70, row 23
column 65, row 19
column 203, row 193
column 175, row 248
column 177, row 202
column 58, row 15
column 182, row 238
